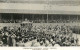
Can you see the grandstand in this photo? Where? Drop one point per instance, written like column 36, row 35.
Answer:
column 39, row 18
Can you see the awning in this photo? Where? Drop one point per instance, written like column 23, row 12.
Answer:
column 38, row 8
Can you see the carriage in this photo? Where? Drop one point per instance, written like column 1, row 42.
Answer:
column 26, row 25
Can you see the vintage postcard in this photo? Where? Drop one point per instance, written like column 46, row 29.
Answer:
column 40, row 24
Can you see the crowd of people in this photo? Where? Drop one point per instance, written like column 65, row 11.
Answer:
column 38, row 36
column 10, row 21
column 39, row 21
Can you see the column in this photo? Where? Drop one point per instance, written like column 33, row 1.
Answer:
column 32, row 17
column 77, row 19
column 47, row 18
column 61, row 18
column 22, row 17
column 0, row 17
column 69, row 19
column 12, row 17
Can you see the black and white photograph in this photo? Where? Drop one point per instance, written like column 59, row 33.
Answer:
column 45, row 23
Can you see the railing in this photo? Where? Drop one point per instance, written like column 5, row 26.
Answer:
column 40, row 24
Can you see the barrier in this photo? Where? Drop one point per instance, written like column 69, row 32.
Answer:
column 9, row 24
column 40, row 24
